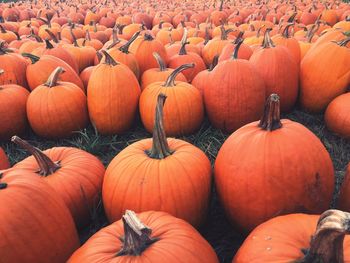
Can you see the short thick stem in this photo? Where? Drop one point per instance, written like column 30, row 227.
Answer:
column 137, row 236
column 267, row 42
column 214, row 62
column 108, row 59
column 271, row 119
column 46, row 165
column 170, row 82
column 48, row 44
column 32, row 57
column 285, row 32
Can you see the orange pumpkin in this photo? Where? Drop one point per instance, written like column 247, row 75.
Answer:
column 252, row 177
column 202, row 79
column 154, row 236
column 4, row 162
column 113, row 93
column 299, row 238
column 337, row 116
column 67, row 112
column 155, row 165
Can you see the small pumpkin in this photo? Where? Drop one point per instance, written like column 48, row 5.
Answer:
column 4, row 162
column 337, row 116
column 157, row 168
column 153, row 236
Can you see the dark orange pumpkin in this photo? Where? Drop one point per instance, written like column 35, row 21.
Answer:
column 156, row 237
column 337, row 115
column 4, row 161
column 202, row 79
column 157, row 168
column 239, row 99
column 48, row 234
column 113, row 94
column 272, row 168
column 67, row 111
column 73, row 173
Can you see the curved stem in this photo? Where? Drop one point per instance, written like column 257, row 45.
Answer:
column 52, row 35
column 292, row 17
column 240, row 36
column 53, row 78
column 344, row 42
column 285, row 32
column 87, row 35
column 137, row 236
column 108, row 59
column 160, row 61
column 182, row 50
column 267, row 42
column 327, row 243
column 46, row 165
column 125, row 48
column 271, row 120
column 32, row 57
column 2, row 29
column 214, row 63
column 170, row 82
column 73, row 37
column 160, row 148
column 184, row 36
column 3, row 49
column 48, row 44
column 235, row 51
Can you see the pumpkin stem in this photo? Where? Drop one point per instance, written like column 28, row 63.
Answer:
column 235, row 51
column 160, row 61
column 267, row 42
column 326, row 244
column 46, row 165
column 32, row 57
column 221, row 5
column 53, row 78
column 2, row 29
column 344, row 42
column 240, row 36
column 87, row 35
column 148, row 37
column 137, row 236
column 184, row 37
column 170, row 82
column 271, row 120
column 3, row 49
column 52, row 35
column 48, row 44
column 73, row 37
column 285, row 32
column 292, row 17
column 214, row 63
column 109, row 60
column 182, row 50
column 125, row 48
column 160, row 148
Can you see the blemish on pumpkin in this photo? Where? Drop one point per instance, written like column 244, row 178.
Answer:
column 268, row 238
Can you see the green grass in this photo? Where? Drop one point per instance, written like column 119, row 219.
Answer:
column 217, row 230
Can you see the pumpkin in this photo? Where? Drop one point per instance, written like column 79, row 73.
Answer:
column 270, row 168
column 73, row 173
column 38, row 72
column 13, row 116
column 244, row 52
column 240, row 97
column 319, row 85
column 157, row 168
column 158, row 74
column 337, row 115
column 312, row 238
column 14, row 67
column 143, row 48
column 67, row 112
column 153, row 236
column 184, row 111
column 7, row 36
column 48, row 234
column 85, row 75
column 279, row 70
column 113, row 93
column 202, row 79
column 4, row 162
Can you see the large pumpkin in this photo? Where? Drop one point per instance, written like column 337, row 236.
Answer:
column 13, row 114
column 113, row 94
column 318, row 84
column 337, row 115
column 272, row 167
column 279, row 70
column 73, row 173
column 155, row 237
column 158, row 168
column 67, row 112
column 184, row 111
column 4, row 162
column 239, row 99
column 299, row 238
column 36, row 225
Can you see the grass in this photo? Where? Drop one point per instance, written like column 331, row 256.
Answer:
column 221, row 235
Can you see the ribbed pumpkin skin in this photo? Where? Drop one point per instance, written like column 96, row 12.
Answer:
column 79, row 170
column 183, row 111
column 39, row 72
column 4, row 162
column 13, row 116
column 281, row 239
column 337, row 115
column 280, row 73
column 238, row 99
column 344, row 201
column 14, row 66
column 318, row 84
column 261, row 174
column 155, row 75
column 113, row 94
column 36, row 225
column 244, row 52
column 66, row 113
column 178, row 242
column 178, row 184
column 291, row 44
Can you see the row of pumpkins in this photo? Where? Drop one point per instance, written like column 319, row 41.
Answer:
column 88, row 61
